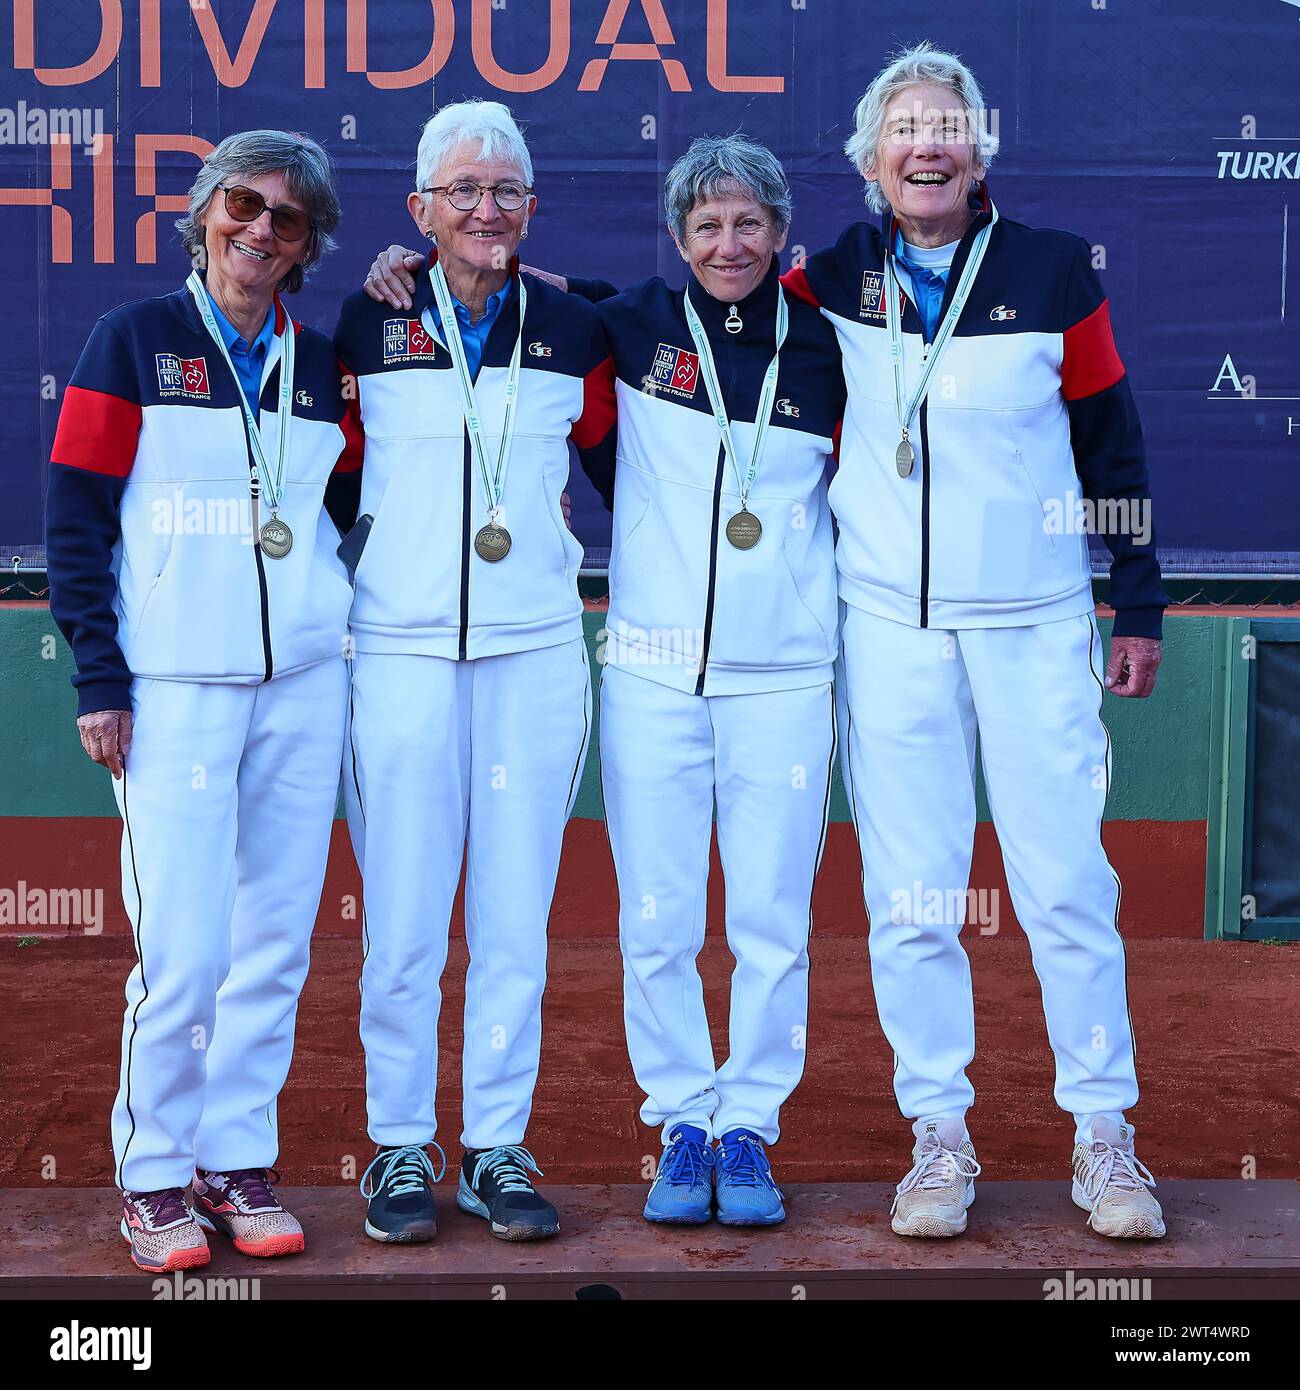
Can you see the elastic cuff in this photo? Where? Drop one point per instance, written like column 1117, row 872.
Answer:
column 1139, row 622
column 96, row 696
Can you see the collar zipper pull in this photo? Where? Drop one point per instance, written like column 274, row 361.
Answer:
column 734, row 322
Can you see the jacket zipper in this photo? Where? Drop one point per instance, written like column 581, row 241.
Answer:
column 267, row 659
column 467, row 481
column 925, row 515
column 713, row 571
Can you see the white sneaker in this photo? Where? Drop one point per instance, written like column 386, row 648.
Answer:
column 1113, row 1185
column 931, row 1200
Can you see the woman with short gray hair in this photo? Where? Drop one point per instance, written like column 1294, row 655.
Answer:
column 718, row 654
column 965, row 610
column 193, row 573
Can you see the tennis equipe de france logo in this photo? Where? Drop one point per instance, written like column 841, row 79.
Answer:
column 675, row 370
column 407, row 340
column 873, row 295
column 182, row 376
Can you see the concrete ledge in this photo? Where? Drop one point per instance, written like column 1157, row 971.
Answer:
column 1227, row 1240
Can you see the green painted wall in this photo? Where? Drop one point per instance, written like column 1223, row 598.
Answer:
column 1161, row 744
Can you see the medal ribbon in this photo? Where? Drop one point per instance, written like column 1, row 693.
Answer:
column 273, row 489
column 907, row 408
column 767, row 395
column 494, row 479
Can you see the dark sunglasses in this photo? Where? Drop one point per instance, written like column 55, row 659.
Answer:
column 247, row 205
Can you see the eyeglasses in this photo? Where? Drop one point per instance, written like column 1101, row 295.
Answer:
column 466, row 196
column 247, row 205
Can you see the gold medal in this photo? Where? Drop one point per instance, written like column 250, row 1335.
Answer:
column 904, row 457
column 492, row 542
column 275, row 538
column 744, row 530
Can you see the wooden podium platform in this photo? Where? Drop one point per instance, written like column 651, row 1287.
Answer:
column 1227, row 1240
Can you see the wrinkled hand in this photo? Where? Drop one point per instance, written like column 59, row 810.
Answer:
column 1131, row 670
column 559, row 281
column 391, row 278
column 566, row 506
column 106, row 737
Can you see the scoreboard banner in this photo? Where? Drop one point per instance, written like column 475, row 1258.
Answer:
column 1165, row 132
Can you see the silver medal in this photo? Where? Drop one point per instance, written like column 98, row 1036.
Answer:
column 275, row 539
column 744, row 530
column 904, row 458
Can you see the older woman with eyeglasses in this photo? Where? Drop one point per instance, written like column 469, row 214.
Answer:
column 193, row 572
column 470, row 694
column 985, row 398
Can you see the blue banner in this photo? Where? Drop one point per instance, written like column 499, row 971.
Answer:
column 1165, row 132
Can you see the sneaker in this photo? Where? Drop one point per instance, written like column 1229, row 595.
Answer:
column 1113, row 1186
column 682, row 1192
column 162, row 1232
column 746, row 1191
column 495, row 1185
column 241, row 1205
column 398, row 1183
column 931, row 1200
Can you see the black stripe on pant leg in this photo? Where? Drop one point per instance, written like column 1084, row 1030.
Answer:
column 586, row 730
column 139, row 950
column 361, row 806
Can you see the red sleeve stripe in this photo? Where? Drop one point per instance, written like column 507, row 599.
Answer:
column 1090, row 363
column 796, row 282
column 599, row 411
column 354, row 437
column 97, row 432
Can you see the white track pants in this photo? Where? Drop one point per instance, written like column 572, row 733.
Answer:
column 914, row 698
column 766, row 758
column 227, row 803
column 443, row 753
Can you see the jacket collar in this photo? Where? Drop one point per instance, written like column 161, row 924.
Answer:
column 757, row 310
column 423, row 296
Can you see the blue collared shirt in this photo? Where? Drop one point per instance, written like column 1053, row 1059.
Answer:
column 927, row 270
column 249, row 358
column 475, row 335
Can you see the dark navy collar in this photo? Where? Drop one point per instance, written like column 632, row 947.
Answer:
column 757, row 310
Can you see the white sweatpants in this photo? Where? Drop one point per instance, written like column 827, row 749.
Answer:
column 227, row 802
column 766, row 758
column 444, row 753
column 913, row 699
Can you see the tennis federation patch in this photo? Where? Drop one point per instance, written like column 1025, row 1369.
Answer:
column 182, row 376
column 675, row 371
column 407, row 340
column 873, row 295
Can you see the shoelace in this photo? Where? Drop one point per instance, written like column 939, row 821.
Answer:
column 1108, row 1163
column 936, row 1168
column 686, row 1162
column 510, row 1165
column 249, row 1189
column 163, row 1208
column 745, row 1164
column 404, row 1170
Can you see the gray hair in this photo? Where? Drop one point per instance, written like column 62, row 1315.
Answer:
column 718, row 164
column 918, row 64
column 488, row 124
column 307, row 171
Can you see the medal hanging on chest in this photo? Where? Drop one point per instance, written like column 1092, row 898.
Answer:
column 274, row 538
column 743, row 529
column 491, row 542
column 906, row 406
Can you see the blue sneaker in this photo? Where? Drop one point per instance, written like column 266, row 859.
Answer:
column 682, row 1192
column 398, row 1188
column 747, row 1193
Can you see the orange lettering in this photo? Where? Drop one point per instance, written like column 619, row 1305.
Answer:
column 60, row 218
column 717, row 58
column 233, row 74
column 147, row 148
column 102, row 165
column 110, row 35
column 444, row 31
column 660, row 31
column 556, row 58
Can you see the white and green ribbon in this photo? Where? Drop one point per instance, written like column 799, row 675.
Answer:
column 270, row 486
column 906, row 406
column 744, row 481
column 494, row 479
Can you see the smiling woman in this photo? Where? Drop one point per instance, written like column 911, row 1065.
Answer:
column 216, row 647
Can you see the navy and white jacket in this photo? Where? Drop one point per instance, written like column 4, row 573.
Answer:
column 420, row 587
column 1029, row 414
column 686, row 608
column 153, row 570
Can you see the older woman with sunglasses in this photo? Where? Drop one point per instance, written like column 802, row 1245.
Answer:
column 193, row 572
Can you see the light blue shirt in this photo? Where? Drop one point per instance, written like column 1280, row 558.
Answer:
column 927, row 270
column 475, row 335
column 249, row 358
